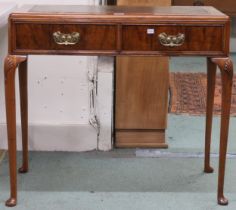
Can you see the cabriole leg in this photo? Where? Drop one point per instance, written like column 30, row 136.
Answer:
column 226, row 68
column 211, row 77
column 11, row 63
column 24, row 114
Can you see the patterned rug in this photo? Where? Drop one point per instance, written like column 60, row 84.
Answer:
column 188, row 94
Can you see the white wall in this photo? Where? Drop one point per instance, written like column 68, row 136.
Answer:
column 53, row 2
column 59, row 108
column 233, row 37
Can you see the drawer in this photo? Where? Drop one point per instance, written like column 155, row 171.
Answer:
column 172, row 38
column 64, row 37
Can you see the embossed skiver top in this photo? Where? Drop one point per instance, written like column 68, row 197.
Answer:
column 122, row 11
column 174, row 10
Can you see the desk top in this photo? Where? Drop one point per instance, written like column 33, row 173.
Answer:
column 122, row 11
column 111, row 10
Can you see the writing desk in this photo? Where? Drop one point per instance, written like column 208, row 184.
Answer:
column 107, row 30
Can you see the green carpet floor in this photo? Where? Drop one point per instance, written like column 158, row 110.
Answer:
column 116, row 181
column 119, row 180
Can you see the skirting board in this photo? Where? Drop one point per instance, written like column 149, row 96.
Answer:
column 55, row 137
column 140, row 138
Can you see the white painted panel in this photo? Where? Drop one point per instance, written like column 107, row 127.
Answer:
column 58, row 90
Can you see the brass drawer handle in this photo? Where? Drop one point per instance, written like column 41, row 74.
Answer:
column 66, row 39
column 170, row 40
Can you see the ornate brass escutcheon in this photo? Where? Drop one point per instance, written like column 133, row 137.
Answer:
column 171, row 40
column 66, row 39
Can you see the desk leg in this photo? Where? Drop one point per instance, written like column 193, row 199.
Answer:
column 226, row 68
column 211, row 77
column 24, row 114
column 11, row 63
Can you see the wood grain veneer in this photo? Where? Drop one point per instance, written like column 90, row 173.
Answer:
column 39, row 36
column 141, row 138
column 140, row 103
column 208, row 36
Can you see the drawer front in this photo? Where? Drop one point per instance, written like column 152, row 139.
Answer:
column 64, row 37
column 171, row 38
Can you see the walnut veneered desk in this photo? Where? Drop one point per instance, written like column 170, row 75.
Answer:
column 107, row 30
